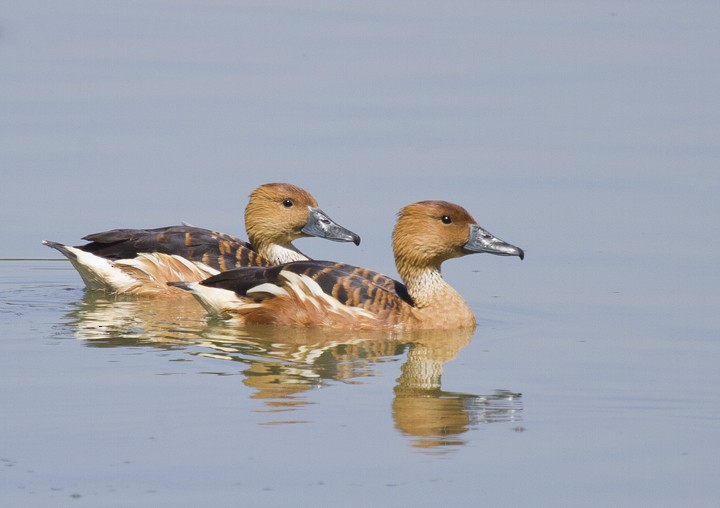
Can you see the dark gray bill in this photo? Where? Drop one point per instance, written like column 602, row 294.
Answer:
column 482, row 241
column 322, row 226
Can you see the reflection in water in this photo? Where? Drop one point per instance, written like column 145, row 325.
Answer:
column 436, row 417
column 281, row 365
column 285, row 363
column 109, row 322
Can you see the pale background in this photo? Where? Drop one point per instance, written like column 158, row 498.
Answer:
column 585, row 132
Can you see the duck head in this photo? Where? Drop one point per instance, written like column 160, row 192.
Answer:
column 279, row 213
column 430, row 232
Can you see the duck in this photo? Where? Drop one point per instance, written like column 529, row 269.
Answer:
column 141, row 262
column 336, row 295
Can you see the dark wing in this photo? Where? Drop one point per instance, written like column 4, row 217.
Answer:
column 350, row 285
column 240, row 280
column 218, row 250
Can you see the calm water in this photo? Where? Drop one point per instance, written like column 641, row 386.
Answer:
column 585, row 133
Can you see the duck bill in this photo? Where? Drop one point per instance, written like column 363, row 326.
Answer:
column 322, row 226
column 482, row 241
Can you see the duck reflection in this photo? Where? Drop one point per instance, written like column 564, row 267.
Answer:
column 106, row 321
column 282, row 365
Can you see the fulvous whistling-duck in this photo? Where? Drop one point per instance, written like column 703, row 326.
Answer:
column 323, row 293
column 141, row 262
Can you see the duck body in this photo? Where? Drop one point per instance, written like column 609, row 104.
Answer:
column 305, row 293
column 327, row 294
column 141, row 262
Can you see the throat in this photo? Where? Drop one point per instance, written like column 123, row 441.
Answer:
column 427, row 287
column 436, row 303
column 279, row 254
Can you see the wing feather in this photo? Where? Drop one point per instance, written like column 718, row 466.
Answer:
column 346, row 284
column 217, row 250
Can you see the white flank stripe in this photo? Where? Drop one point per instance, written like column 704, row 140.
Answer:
column 148, row 263
column 268, row 288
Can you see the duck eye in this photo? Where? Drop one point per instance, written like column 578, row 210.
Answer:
column 287, row 203
column 446, row 219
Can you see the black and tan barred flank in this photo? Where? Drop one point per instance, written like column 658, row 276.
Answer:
column 349, row 285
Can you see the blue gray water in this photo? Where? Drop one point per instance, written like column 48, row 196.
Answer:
column 586, row 133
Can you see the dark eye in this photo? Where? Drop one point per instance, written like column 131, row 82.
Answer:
column 287, row 203
column 446, row 219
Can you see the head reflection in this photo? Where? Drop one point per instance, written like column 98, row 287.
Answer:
column 436, row 418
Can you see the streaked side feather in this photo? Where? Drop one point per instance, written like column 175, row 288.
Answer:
column 312, row 293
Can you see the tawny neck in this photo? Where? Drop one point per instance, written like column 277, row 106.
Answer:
column 436, row 303
column 424, row 286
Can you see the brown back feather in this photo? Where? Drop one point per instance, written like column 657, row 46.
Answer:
column 350, row 285
column 218, row 250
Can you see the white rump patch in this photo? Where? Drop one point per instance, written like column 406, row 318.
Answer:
column 217, row 301
column 99, row 273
